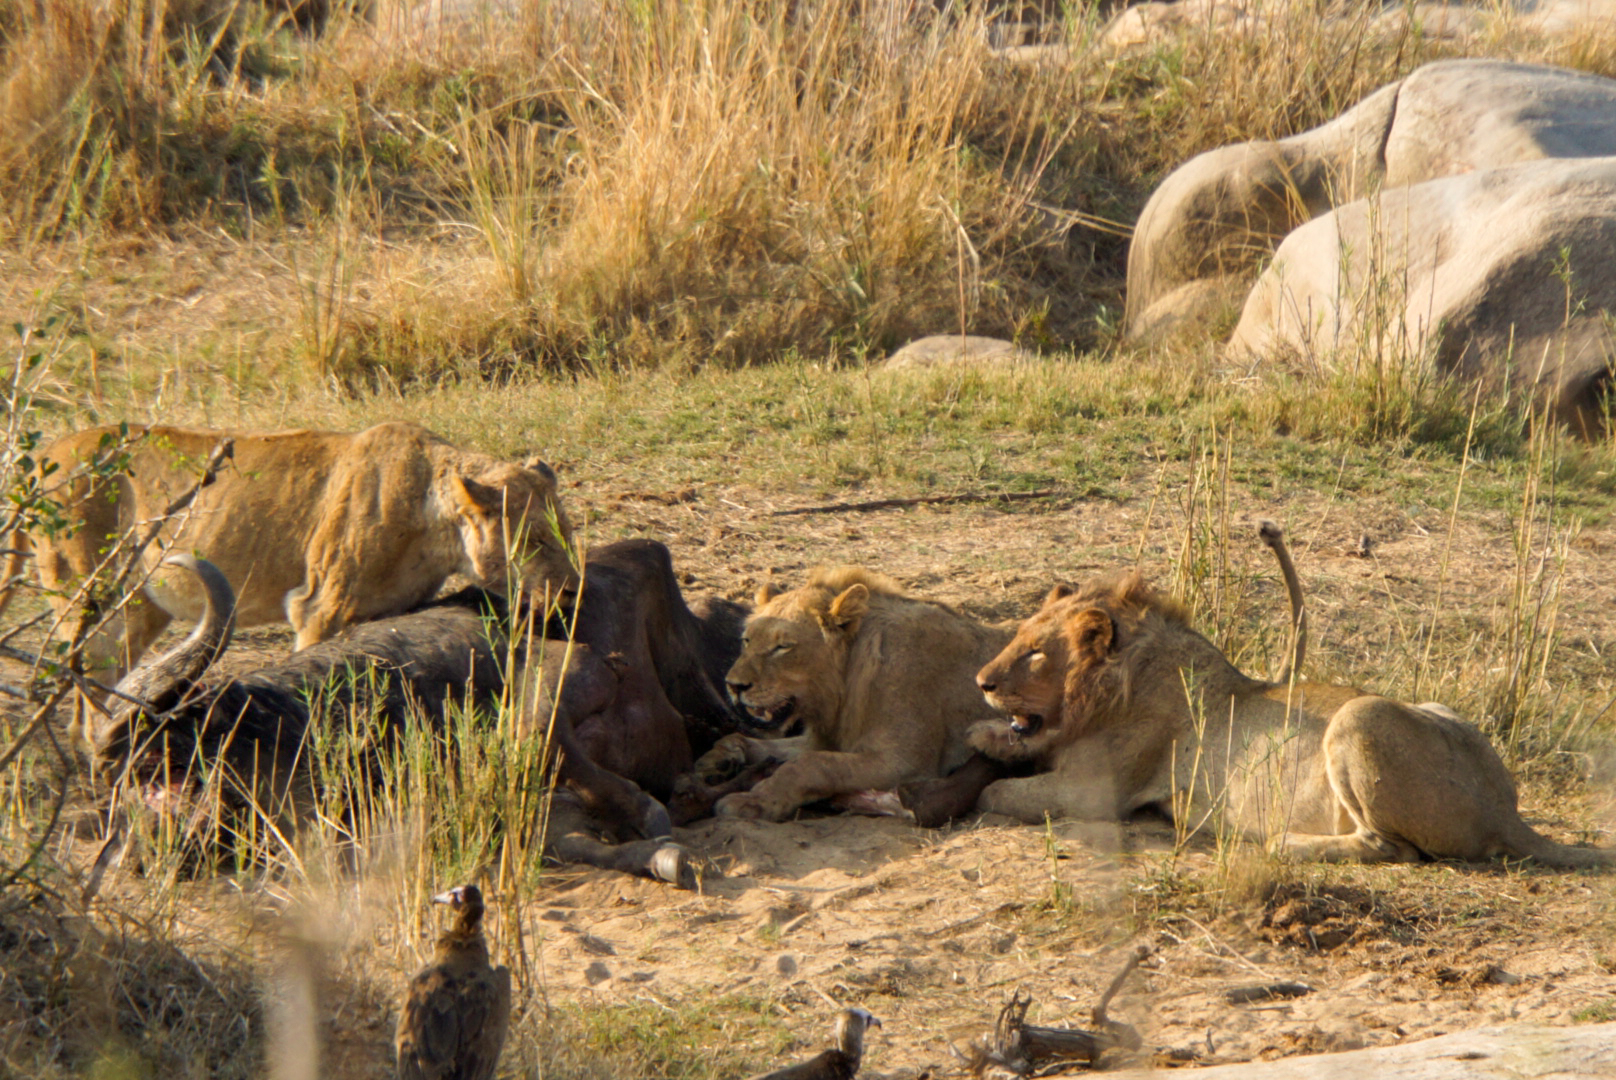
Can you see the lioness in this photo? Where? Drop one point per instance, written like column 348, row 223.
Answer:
column 1123, row 706
column 321, row 529
column 879, row 683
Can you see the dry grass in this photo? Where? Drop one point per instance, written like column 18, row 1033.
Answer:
column 642, row 183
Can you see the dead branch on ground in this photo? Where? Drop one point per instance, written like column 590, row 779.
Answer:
column 919, row 500
column 1022, row 1049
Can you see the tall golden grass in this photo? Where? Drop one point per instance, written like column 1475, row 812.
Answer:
column 640, row 181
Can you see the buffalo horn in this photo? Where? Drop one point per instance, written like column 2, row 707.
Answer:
column 160, row 682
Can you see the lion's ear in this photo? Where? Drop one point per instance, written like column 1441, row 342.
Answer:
column 847, row 610
column 472, row 497
column 1092, row 634
column 1059, row 592
column 765, row 593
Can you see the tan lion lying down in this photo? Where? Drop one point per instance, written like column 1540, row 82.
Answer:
column 1122, row 706
column 877, row 682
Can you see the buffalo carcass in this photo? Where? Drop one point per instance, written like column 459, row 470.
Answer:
column 637, row 651
column 649, row 704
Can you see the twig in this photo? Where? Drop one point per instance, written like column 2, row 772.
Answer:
column 1134, row 958
column 82, row 681
column 41, row 714
column 921, row 500
column 1024, row 1048
column 22, row 626
column 67, row 676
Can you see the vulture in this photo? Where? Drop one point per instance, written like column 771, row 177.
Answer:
column 454, row 1017
column 840, row 1062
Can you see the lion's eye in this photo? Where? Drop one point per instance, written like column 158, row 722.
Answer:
column 783, row 647
column 1033, row 657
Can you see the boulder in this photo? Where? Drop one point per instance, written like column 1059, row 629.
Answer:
column 942, row 350
column 1495, row 1053
column 1505, row 275
column 1158, row 22
column 1206, row 230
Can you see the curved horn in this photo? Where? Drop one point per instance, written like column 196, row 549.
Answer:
column 160, row 682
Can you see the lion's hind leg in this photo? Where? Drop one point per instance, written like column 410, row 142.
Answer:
column 1364, row 845
column 1412, row 781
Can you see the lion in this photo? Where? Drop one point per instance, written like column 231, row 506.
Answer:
column 878, row 683
column 320, row 529
column 1122, row 706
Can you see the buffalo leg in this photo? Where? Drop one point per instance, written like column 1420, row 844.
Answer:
column 935, row 803
column 573, row 838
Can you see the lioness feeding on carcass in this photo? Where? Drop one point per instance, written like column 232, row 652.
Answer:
column 1122, row 706
column 321, row 529
column 627, row 703
column 877, row 682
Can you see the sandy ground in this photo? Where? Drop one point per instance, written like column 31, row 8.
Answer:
column 933, row 930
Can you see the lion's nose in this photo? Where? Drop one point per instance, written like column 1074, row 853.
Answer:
column 987, row 686
column 736, row 689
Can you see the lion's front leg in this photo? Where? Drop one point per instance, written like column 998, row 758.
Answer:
column 817, row 774
column 313, row 617
column 735, row 753
column 1051, row 794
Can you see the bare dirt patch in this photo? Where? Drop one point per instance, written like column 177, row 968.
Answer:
column 932, row 931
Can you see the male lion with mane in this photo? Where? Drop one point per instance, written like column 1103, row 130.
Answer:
column 1122, row 706
column 879, row 683
column 321, row 529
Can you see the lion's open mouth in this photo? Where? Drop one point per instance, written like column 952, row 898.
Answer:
column 770, row 717
column 1026, row 724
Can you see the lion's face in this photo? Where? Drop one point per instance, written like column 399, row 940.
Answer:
column 521, row 502
column 789, row 674
column 1056, row 649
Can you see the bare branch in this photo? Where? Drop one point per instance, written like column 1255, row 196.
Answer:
column 921, row 500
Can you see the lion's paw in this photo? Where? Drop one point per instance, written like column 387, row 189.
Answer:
column 750, row 807
column 724, row 761
column 742, row 805
column 997, row 739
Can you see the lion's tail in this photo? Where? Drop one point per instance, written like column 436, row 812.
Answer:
column 15, row 558
column 1525, row 842
column 1274, row 537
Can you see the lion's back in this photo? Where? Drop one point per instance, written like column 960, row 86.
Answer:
column 256, row 520
column 923, row 658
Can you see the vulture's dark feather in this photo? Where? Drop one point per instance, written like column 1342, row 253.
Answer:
column 454, row 1018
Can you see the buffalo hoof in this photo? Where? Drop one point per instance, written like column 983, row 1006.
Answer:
column 672, row 864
